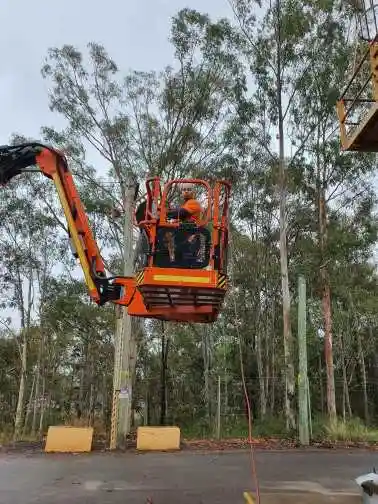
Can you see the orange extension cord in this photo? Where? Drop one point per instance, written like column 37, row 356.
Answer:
column 255, row 479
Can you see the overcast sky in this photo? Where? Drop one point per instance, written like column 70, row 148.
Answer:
column 134, row 32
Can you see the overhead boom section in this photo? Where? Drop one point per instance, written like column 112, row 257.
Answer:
column 15, row 160
column 55, row 166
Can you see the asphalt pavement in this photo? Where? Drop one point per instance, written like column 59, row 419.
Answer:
column 185, row 477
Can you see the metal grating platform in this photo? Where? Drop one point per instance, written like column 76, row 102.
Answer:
column 171, row 296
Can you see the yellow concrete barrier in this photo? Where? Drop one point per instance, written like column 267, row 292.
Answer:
column 65, row 439
column 158, row 438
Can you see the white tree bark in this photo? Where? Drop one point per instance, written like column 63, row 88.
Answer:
column 286, row 301
column 25, row 325
column 43, row 407
column 29, row 407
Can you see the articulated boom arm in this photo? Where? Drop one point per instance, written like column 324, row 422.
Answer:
column 15, row 160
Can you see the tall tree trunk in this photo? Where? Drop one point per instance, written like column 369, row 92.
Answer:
column 93, row 389
column 43, row 407
column 273, row 364
column 268, row 371
column 287, row 334
column 326, row 303
column 225, row 393
column 346, row 398
column 207, row 349
column 21, row 389
column 148, row 405
column 320, row 370
column 361, row 360
column 81, row 403
column 206, row 365
column 343, row 403
column 104, row 401
column 36, row 404
column 25, row 324
column 29, row 406
column 260, row 369
column 163, row 380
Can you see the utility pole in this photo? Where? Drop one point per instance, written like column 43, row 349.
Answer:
column 304, row 437
column 124, row 341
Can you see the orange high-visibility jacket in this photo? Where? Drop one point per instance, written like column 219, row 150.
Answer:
column 193, row 207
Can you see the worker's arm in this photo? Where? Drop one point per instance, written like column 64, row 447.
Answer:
column 189, row 208
column 15, row 160
column 178, row 213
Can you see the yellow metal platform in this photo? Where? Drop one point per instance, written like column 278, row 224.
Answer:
column 357, row 108
column 364, row 137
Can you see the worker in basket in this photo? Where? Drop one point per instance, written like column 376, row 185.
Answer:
column 190, row 210
column 184, row 244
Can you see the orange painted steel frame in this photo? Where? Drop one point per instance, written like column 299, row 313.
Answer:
column 150, row 222
column 220, row 222
column 157, row 206
column 202, row 282
column 127, row 291
column 54, row 166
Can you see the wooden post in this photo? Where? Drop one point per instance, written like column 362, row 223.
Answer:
column 304, row 437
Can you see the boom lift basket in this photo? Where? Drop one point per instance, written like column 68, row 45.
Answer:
column 194, row 290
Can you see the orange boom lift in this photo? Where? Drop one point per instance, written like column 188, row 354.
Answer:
column 192, row 292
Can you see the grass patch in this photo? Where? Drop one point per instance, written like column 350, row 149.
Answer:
column 237, row 428
column 274, row 427
column 352, row 430
column 6, row 434
column 6, row 437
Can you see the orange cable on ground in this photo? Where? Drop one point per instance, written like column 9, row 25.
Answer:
column 250, row 440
